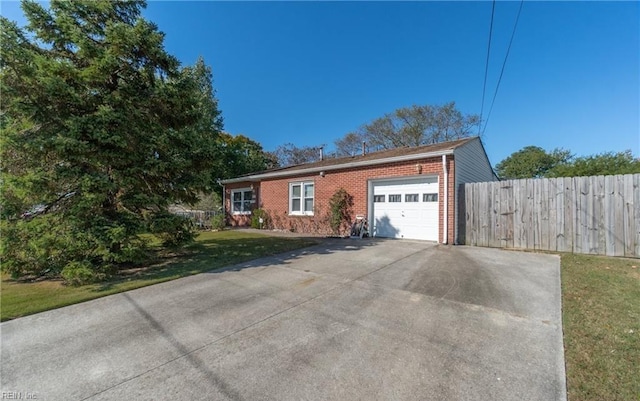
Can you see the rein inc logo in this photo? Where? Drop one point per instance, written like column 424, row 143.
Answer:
column 19, row 395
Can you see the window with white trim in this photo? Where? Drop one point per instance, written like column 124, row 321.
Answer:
column 241, row 200
column 301, row 198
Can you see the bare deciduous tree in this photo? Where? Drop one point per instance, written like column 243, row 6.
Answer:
column 416, row 126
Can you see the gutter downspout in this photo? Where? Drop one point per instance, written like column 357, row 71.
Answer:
column 224, row 202
column 446, row 200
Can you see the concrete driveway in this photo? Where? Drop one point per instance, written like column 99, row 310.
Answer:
column 345, row 320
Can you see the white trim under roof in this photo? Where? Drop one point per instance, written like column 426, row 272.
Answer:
column 363, row 163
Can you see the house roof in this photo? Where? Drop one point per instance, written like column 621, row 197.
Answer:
column 373, row 158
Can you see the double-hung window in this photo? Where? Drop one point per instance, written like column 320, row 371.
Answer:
column 301, row 198
column 241, row 200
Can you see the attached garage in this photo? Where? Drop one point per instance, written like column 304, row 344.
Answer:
column 408, row 192
column 405, row 208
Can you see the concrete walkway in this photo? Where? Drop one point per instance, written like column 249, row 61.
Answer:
column 344, row 320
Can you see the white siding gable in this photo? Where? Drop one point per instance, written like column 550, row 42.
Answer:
column 472, row 165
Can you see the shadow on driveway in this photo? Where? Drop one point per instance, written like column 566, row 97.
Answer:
column 185, row 353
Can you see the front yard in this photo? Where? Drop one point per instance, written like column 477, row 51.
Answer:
column 600, row 299
column 212, row 250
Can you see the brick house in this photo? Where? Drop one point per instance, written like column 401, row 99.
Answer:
column 404, row 193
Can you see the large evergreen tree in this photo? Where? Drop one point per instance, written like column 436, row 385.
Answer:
column 101, row 131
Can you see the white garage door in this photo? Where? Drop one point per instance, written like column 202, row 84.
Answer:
column 406, row 209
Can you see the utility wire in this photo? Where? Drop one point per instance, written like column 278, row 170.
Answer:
column 486, row 67
column 503, row 65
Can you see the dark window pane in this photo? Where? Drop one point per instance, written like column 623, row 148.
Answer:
column 430, row 197
column 308, row 205
column 395, row 198
column 295, row 191
column 308, row 191
column 378, row 198
column 411, row 198
column 295, row 205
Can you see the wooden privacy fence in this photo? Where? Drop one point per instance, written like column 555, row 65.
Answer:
column 594, row 215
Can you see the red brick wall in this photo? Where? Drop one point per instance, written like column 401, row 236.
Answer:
column 451, row 171
column 273, row 194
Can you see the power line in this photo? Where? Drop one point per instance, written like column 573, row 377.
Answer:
column 503, row 65
column 486, row 67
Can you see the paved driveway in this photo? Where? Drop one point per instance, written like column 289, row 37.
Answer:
column 346, row 320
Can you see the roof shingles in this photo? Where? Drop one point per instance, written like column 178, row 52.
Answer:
column 369, row 157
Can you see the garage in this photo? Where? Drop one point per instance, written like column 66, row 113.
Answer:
column 405, row 208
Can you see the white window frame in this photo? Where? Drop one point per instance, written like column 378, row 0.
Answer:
column 243, row 200
column 302, row 198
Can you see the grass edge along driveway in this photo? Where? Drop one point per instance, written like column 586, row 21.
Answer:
column 214, row 250
column 601, row 324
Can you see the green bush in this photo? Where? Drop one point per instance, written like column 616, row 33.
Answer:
column 218, row 222
column 172, row 229
column 35, row 247
column 258, row 214
column 80, row 273
column 340, row 209
column 44, row 245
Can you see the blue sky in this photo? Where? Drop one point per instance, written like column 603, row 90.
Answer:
column 309, row 72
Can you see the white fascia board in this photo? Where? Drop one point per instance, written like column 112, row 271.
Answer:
column 364, row 163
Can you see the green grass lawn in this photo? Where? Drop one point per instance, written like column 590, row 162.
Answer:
column 601, row 320
column 212, row 250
